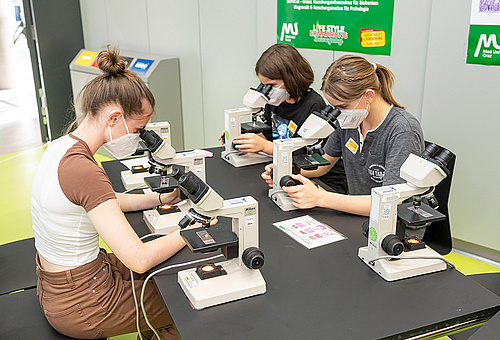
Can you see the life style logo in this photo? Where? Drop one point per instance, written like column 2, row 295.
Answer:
column 338, row 25
column 484, row 33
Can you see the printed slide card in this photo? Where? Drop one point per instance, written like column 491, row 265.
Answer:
column 309, row 232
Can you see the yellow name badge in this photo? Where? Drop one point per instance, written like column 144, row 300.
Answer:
column 86, row 58
column 372, row 37
column 292, row 127
column 352, row 146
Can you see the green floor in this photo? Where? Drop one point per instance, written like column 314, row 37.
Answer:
column 16, row 174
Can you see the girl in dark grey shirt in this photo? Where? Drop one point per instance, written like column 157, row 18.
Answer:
column 374, row 136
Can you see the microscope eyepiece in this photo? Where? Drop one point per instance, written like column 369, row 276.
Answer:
column 430, row 150
column 444, row 157
column 330, row 114
column 260, row 87
column 151, row 139
column 187, row 183
column 177, row 173
column 267, row 89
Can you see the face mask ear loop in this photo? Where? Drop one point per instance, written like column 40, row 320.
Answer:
column 126, row 127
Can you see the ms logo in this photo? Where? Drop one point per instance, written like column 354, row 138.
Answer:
column 492, row 40
column 289, row 28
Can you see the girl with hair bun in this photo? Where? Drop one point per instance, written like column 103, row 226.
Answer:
column 85, row 292
column 374, row 137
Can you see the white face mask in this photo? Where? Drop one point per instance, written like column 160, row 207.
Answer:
column 123, row 146
column 351, row 119
column 278, row 95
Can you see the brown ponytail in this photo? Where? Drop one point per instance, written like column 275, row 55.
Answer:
column 116, row 85
column 348, row 77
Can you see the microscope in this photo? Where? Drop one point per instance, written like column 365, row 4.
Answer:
column 239, row 276
column 391, row 255
column 163, row 160
column 134, row 178
column 289, row 156
column 254, row 100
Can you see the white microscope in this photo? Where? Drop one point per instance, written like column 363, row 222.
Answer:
column 254, row 100
column 239, row 277
column 163, row 160
column 286, row 161
column 134, row 178
column 394, row 257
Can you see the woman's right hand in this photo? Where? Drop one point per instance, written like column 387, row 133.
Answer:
column 221, row 137
column 266, row 175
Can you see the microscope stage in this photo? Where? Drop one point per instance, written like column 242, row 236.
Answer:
column 254, row 127
column 309, row 162
column 161, row 184
column 412, row 216
column 201, row 240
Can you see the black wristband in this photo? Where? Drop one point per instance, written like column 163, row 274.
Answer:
column 159, row 198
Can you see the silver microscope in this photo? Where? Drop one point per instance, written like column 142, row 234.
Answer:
column 389, row 255
column 254, row 100
column 239, row 277
column 288, row 160
column 163, row 161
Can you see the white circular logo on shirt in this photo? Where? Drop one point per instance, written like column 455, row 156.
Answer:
column 376, row 172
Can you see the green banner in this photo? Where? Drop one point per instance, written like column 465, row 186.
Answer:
column 483, row 46
column 337, row 25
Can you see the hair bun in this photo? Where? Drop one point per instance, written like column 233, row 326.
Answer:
column 110, row 62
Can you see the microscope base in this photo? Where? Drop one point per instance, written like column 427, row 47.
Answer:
column 282, row 200
column 239, row 159
column 402, row 269
column 240, row 282
column 133, row 181
column 165, row 224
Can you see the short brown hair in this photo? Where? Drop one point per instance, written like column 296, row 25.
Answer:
column 348, row 77
column 282, row 61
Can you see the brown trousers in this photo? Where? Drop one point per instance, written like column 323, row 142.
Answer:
column 95, row 300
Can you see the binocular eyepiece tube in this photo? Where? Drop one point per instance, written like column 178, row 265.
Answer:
column 151, row 138
column 330, row 113
column 444, row 156
column 264, row 89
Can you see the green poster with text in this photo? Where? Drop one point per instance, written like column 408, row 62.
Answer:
column 337, row 25
column 484, row 33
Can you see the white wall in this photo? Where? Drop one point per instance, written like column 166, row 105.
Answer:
column 460, row 110
column 219, row 41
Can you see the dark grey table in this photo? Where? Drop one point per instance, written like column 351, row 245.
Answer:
column 322, row 293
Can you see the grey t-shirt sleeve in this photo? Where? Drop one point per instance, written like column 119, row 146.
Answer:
column 332, row 146
column 399, row 148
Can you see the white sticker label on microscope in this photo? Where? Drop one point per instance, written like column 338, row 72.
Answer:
column 126, row 174
column 152, row 216
column 284, row 158
column 285, row 146
column 191, row 280
column 250, row 220
column 233, row 123
column 386, row 213
column 198, row 168
column 374, row 207
column 390, row 198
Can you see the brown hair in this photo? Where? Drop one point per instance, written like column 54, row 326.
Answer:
column 115, row 86
column 348, row 77
column 282, row 61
